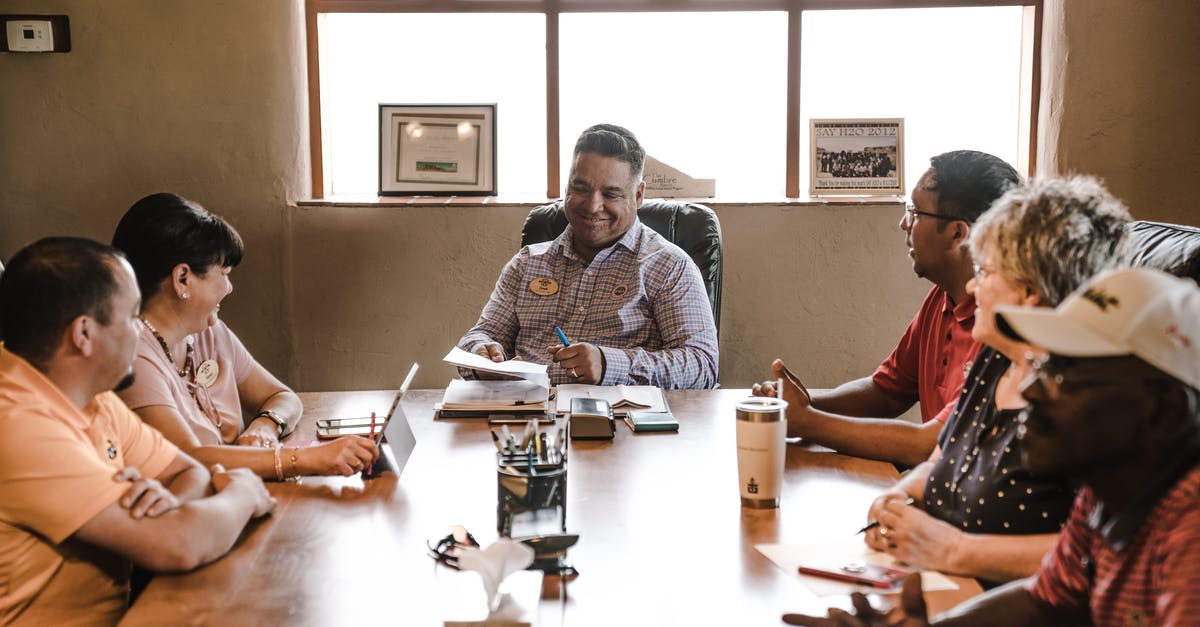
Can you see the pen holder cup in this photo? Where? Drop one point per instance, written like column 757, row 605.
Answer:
column 531, row 498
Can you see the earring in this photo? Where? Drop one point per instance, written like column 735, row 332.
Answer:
column 185, row 296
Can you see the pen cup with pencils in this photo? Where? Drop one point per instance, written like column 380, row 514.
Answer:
column 531, row 482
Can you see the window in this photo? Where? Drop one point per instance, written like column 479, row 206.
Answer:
column 711, row 103
column 425, row 58
column 954, row 75
column 707, row 92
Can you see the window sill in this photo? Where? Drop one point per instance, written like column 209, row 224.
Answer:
column 501, row 201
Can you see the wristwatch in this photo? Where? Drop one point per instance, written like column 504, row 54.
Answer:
column 275, row 418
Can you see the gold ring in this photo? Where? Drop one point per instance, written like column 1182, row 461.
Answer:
column 356, row 465
column 883, row 531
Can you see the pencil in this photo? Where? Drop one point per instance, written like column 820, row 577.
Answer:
column 875, row 523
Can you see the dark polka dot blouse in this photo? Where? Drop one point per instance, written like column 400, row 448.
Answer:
column 979, row 484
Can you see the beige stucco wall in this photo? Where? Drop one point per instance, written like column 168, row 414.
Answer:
column 1121, row 100
column 208, row 99
column 827, row 288
column 205, row 99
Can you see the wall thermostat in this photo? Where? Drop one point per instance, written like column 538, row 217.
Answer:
column 36, row 33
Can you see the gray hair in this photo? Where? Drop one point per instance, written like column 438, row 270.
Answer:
column 1053, row 234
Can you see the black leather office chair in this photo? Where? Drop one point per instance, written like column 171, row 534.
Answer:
column 1173, row 248
column 690, row 226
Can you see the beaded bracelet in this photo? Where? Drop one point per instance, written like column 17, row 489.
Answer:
column 278, row 464
column 295, row 472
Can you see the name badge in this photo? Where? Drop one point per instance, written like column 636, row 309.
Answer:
column 207, row 373
column 543, row 287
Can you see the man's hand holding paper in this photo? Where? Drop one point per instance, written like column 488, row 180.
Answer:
column 513, row 368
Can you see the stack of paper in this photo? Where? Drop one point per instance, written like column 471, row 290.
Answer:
column 622, row 397
column 494, row 396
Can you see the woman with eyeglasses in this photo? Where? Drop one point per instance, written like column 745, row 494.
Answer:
column 972, row 508
column 193, row 379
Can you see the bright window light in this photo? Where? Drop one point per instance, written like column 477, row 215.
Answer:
column 952, row 74
column 705, row 93
column 433, row 58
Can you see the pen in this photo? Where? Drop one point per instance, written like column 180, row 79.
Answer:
column 562, row 337
column 507, row 439
column 372, row 436
column 875, row 523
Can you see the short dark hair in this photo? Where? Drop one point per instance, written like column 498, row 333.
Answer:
column 164, row 230
column 969, row 181
column 614, row 141
column 48, row 284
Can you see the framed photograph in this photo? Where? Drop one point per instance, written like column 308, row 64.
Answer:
column 437, row 150
column 856, row 157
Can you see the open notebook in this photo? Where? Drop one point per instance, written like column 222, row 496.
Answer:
column 622, row 397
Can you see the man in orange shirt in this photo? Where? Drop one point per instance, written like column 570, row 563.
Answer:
column 88, row 488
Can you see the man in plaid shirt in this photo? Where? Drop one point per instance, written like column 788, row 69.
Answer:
column 632, row 303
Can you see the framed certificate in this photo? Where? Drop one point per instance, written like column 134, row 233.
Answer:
column 856, row 156
column 437, row 150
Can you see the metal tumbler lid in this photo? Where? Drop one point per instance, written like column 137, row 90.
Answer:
column 761, row 409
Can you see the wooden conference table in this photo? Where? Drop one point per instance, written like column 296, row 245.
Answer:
column 663, row 538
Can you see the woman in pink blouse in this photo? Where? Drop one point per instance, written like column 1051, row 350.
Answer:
column 194, row 380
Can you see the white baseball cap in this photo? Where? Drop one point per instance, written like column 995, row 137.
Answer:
column 1130, row 311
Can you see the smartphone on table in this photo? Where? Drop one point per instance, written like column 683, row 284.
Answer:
column 328, row 429
column 856, row 571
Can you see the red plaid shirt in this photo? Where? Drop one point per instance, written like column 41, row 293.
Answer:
column 1152, row 580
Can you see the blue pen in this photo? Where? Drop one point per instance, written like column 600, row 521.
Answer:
column 562, row 336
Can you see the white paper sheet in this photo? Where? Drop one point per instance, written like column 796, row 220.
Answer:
column 790, row 556
column 522, row 369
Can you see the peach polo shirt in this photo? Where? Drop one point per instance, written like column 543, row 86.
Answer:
column 215, row 412
column 56, row 467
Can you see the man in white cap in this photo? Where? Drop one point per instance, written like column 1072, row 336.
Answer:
column 1115, row 407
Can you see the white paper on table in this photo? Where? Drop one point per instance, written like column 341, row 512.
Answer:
column 790, row 556
column 522, row 369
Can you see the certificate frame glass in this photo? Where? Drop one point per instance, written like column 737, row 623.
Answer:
column 437, row 149
column 856, row 157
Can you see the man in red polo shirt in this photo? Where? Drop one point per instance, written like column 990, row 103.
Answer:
column 934, row 354
column 1116, row 408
